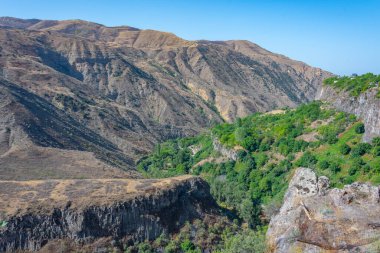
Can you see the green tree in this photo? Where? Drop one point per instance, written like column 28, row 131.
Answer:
column 323, row 164
column 376, row 142
column 359, row 128
column 171, row 247
column 247, row 211
column 145, row 248
column 331, row 138
column 247, row 242
column 307, row 160
column 250, row 144
column 240, row 134
column 334, row 167
column 353, row 170
column 187, row 245
column 360, row 149
column 344, row 149
column 376, row 151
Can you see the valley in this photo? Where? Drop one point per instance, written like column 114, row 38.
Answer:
column 117, row 139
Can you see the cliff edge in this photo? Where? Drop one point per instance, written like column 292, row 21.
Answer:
column 317, row 219
column 36, row 213
column 366, row 106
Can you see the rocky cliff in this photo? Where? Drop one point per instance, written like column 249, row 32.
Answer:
column 315, row 218
column 136, row 88
column 366, row 106
column 231, row 154
column 86, row 211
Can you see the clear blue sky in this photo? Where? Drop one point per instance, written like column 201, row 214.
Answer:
column 342, row 36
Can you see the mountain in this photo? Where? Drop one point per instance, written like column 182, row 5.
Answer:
column 36, row 137
column 136, row 88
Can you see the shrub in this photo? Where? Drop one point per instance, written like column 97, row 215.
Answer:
column 291, row 157
column 250, row 144
column 376, row 142
column 248, row 241
column 187, row 245
column 261, row 160
column 171, row 247
column 307, row 160
column 360, row 149
column 241, row 154
column 324, row 164
column 375, row 179
column 367, row 168
column 334, row 167
column 330, row 138
column 3, row 223
column 376, row 151
column 345, row 149
column 353, row 170
column 145, row 248
column 240, row 134
column 162, row 240
column 349, row 179
column 247, row 210
column 359, row 128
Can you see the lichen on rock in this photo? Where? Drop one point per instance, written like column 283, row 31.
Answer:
column 316, row 219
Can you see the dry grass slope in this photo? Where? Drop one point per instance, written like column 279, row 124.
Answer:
column 42, row 196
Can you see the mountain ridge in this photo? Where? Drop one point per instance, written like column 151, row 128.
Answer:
column 137, row 88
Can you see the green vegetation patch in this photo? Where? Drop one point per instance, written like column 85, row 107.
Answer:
column 199, row 236
column 268, row 148
column 355, row 85
column 3, row 224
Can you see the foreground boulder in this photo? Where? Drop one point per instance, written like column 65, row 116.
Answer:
column 37, row 213
column 316, row 219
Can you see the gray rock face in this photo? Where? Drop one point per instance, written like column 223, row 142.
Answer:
column 139, row 217
column 219, row 147
column 366, row 107
column 316, row 219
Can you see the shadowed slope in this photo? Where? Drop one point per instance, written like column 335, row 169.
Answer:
column 37, row 140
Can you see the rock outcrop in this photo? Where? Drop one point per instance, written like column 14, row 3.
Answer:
column 366, row 106
column 83, row 211
column 231, row 154
column 316, row 219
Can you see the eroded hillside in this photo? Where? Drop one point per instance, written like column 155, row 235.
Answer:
column 139, row 87
column 39, row 141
